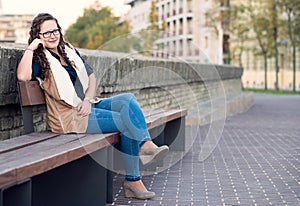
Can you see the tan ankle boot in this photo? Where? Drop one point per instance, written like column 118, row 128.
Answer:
column 150, row 155
column 131, row 191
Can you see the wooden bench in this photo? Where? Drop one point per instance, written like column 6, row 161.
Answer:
column 44, row 168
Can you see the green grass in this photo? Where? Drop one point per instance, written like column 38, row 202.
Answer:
column 271, row 91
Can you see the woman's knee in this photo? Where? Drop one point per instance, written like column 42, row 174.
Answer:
column 128, row 97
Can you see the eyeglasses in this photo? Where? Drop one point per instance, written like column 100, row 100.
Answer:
column 47, row 34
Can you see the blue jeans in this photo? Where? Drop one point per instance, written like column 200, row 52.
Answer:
column 122, row 113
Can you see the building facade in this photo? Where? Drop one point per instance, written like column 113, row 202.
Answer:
column 187, row 34
column 14, row 27
column 138, row 15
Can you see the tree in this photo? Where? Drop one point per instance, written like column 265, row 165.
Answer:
column 275, row 23
column 95, row 28
column 234, row 22
column 120, row 40
column 271, row 23
column 292, row 10
column 239, row 31
column 265, row 27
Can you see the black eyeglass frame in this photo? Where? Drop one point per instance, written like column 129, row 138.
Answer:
column 47, row 34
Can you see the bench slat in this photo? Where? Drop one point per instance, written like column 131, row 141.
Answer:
column 8, row 177
column 163, row 117
column 25, row 140
column 66, row 153
column 30, row 152
column 154, row 117
column 50, row 154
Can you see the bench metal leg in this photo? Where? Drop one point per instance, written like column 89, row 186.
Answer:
column 78, row 183
column 157, row 135
column 174, row 134
column 27, row 120
column 110, row 158
column 16, row 195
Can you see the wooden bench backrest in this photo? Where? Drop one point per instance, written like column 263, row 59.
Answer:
column 30, row 94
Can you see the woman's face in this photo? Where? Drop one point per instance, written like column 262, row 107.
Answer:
column 49, row 34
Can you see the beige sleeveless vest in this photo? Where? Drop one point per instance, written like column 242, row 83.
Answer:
column 60, row 95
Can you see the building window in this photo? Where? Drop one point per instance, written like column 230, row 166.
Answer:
column 189, row 5
column 206, row 19
column 206, row 42
column 226, row 52
column 174, row 7
column 181, row 6
column 174, row 27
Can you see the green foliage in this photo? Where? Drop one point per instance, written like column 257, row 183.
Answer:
column 239, row 31
column 95, row 28
column 291, row 9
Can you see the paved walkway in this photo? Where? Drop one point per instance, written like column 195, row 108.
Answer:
column 257, row 162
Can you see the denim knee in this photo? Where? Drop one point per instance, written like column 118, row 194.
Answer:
column 128, row 96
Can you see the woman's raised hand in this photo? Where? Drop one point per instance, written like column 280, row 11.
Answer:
column 35, row 44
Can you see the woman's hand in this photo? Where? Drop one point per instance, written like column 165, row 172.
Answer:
column 84, row 108
column 24, row 69
column 35, row 44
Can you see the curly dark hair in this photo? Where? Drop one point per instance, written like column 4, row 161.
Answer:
column 39, row 56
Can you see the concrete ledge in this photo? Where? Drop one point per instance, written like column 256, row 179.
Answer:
column 219, row 108
column 239, row 103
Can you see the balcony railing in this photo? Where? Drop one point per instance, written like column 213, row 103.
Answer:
column 173, row 53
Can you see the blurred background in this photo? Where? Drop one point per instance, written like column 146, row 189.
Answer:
column 261, row 36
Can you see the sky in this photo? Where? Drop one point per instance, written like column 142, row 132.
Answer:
column 66, row 11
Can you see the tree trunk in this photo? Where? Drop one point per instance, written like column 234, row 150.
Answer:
column 276, row 59
column 290, row 13
column 294, row 68
column 266, row 70
column 275, row 36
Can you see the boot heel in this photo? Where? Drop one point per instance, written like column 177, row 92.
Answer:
column 128, row 192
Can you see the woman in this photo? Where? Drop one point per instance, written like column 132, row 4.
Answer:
column 69, row 85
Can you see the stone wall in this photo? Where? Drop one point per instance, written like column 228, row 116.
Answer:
column 156, row 83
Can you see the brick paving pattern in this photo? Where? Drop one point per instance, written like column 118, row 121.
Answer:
column 256, row 162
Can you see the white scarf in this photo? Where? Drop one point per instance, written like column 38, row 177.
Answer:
column 63, row 81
